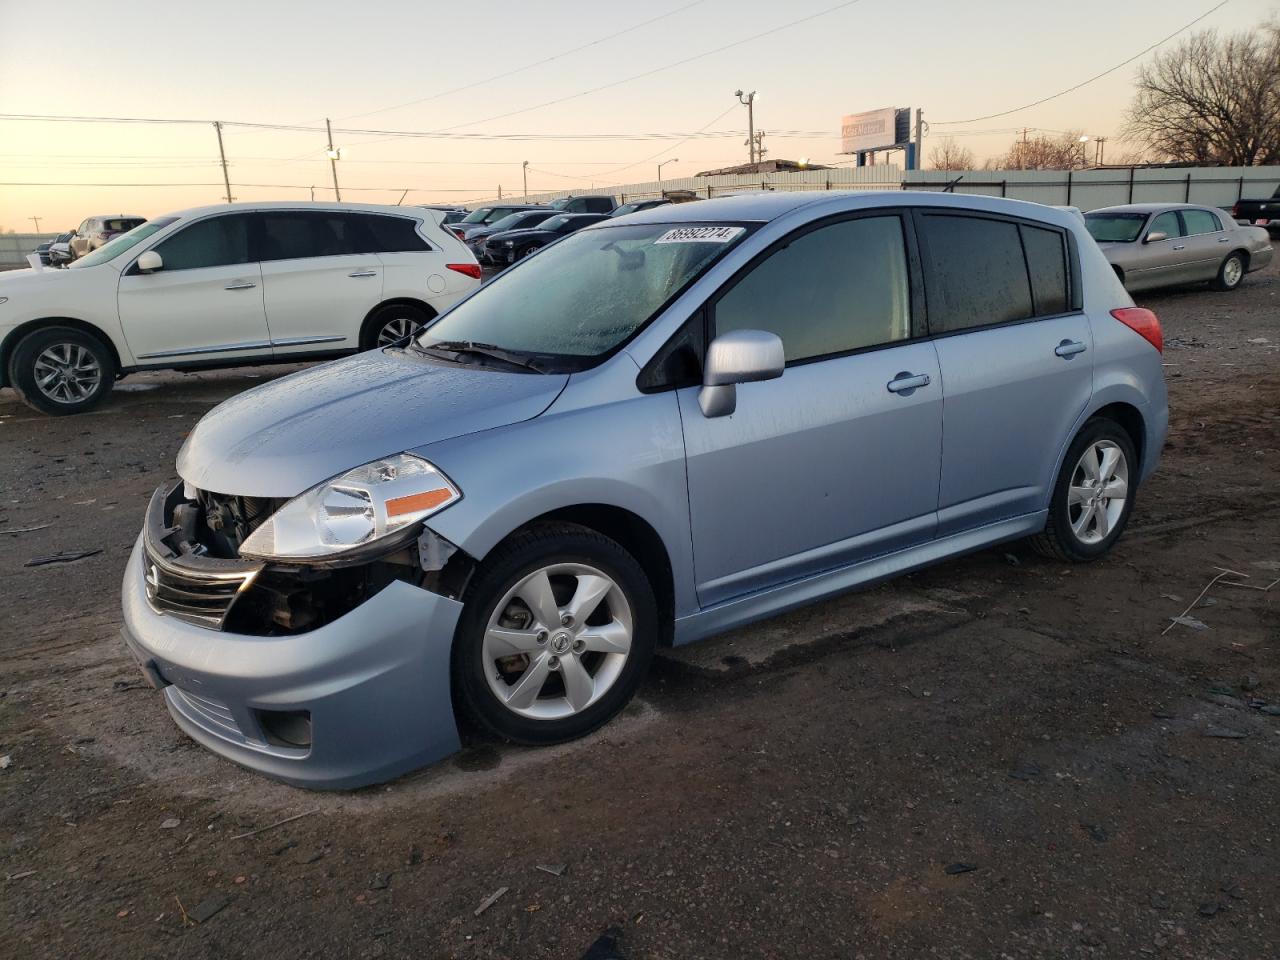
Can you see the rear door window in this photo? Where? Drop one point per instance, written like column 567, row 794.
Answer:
column 1200, row 221
column 978, row 272
column 296, row 235
column 213, row 242
column 838, row 288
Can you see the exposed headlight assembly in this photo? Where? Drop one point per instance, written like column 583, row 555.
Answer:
column 354, row 510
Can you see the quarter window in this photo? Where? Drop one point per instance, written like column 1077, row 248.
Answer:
column 841, row 287
column 1200, row 221
column 214, row 242
column 394, row 234
column 979, row 275
column 1047, row 264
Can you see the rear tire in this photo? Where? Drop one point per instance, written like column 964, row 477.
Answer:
column 1093, row 496
column 392, row 323
column 533, row 671
column 62, row 370
column 1231, row 273
column 530, row 250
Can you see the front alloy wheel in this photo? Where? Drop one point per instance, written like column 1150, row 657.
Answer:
column 62, row 370
column 559, row 625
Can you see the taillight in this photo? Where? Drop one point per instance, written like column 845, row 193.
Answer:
column 1142, row 322
column 472, row 270
column 1235, row 209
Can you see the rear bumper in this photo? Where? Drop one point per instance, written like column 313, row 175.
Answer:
column 1260, row 258
column 375, row 685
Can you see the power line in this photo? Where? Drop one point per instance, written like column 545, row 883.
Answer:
column 1085, row 83
column 530, row 66
column 263, row 186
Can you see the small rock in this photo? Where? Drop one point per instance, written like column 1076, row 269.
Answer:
column 1271, row 709
column 555, row 869
column 1097, row 834
column 1013, row 561
column 380, row 881
column 1159, row 901
column 1210, row 909
column 171, row 824
column 952, row 869
column 206, row 908
column 1224, row 733
column 6, row 761
column 1250, row 683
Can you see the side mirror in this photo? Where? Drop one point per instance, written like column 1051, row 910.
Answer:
column 150, row 262
column 741, row 356
column 1155, row 236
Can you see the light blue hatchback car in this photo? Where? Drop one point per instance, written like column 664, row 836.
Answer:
column 658, row 428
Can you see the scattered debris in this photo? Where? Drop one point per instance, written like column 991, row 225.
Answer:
column 171, row 824
column 278, row 823
column 209, row 906
column 1025, row 771
column 490, row 900
column 14, row 531
column 1250, row 683
column 953, row 869
column 67, row 556
column 555, row 869
column 1097, row 834
column 1224, row 733
column 20, row 876
column 605, row 947
column 380, row 881
column 6, row 761
column 1271, row 709
column 1192, row 621
column 1013, row 561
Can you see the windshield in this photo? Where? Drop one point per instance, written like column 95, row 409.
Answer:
column 555, row 223
column 1115, row 227
column 513, row 220
column 585, row 295
column 477, row 216
column 113, row 249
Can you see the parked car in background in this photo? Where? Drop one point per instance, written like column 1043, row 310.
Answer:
column 223, row 286
column 510, row 246
column 42, row 251
column 475, row 236
column 96, row 232
column 1260, row 213
column 661, row 428
column 636, row 206
column 60, row 249
column 483, row 216
column 451, row 214
column 589, row 204
column 1162, row 244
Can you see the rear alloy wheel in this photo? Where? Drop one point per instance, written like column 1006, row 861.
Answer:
column 62, row 370
column 394, row 324
column 557, row 634
column 530, row 251
column 1093, row 497
column 1230, row 273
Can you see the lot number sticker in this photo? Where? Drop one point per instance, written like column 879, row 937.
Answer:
column 700, row 235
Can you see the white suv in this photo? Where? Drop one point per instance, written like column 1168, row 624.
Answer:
column 224, row 286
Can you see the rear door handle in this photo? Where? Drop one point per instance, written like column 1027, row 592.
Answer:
column 906, row 382
column 363, row 273
column 1224, row 239
column 1069, row 348
column 1179, row 246
column 242, row 285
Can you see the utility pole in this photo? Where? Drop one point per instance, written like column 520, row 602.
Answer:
column 222, row 154
column 499, row 191
column 749, row 101
column 661, row 165
column 333, row 160
column 524, row 172
column 313, row 194
column 919, row 139
column 1102, row 146
column 37, row 222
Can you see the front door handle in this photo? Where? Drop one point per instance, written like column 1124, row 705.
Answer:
column 241, row 285
column 363, row 273
column 1069, row 348
column 1179, row 246
column 906, row 382
column 1224, row 239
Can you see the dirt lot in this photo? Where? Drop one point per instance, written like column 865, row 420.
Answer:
column 999, row 757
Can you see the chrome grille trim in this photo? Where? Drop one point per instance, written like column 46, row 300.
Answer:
column 202, row 598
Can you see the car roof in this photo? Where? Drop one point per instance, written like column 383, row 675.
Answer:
column 761, row 207
column 1149, row 207
column 411, row 211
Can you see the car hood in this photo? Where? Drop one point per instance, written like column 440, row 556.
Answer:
column 15, row 282
column 284, row 437
column 520, row 234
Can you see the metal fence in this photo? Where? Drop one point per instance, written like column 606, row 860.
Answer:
column 14, row 247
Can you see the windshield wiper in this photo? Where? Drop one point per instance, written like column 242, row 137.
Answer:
column 488, row 350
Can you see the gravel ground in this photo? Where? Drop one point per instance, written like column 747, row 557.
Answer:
column 998, row 757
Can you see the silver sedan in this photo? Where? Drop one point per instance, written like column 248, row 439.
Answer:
column 1163, row 244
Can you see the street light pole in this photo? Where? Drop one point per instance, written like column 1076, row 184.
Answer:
column 222, row 154
column 333, row 160
column 524, row 172
column 749, row 101
column 664, row 162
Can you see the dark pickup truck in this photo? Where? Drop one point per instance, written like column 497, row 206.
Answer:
column 1260, row 213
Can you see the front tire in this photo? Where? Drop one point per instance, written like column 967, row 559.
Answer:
column 62, row 370
column 1231, row 273
column 1093, row 496
column 530, row 250
column 559, row 627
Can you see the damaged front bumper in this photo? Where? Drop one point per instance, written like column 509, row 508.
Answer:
column 357, row 700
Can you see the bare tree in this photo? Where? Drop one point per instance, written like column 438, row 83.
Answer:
column 1212, row 99
column 949, row 155
column 1042, row 152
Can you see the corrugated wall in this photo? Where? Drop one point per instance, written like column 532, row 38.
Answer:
column 14, row 247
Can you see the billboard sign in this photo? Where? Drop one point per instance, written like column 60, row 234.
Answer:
column 873, row 130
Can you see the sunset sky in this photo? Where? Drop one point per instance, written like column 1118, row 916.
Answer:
column 364, row 65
